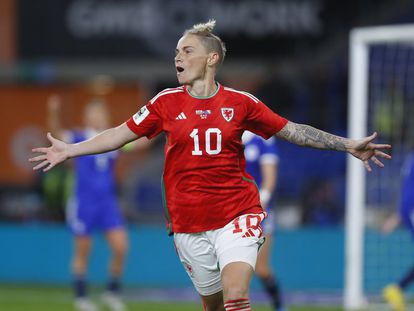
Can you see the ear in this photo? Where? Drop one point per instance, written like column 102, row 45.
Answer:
column 213, row 59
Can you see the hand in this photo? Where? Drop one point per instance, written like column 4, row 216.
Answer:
column 365, row 150
column 51, row 156
column 390, row 224
column 265, row 196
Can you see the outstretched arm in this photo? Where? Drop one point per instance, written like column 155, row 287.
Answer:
column 363, row 149
column 60, row 151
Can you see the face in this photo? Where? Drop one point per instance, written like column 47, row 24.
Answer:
column 97, row 117
column 190, row 60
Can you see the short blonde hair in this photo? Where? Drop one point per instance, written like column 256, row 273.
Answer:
column 210, row 41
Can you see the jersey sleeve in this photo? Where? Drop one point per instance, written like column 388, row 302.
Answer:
column 146, row 122
column 261, row 120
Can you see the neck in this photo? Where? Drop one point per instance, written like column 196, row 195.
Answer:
column 203, row 89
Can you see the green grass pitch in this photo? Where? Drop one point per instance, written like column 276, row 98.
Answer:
column 41, row 298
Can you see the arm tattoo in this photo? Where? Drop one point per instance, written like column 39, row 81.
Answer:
column 305, row 135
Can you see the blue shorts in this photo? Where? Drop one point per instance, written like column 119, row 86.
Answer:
column 86, row 215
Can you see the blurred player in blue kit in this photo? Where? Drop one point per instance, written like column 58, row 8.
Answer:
column 262, row 161
column 393, row 293
column 92, row 206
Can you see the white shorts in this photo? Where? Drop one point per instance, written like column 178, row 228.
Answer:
column 205, row 254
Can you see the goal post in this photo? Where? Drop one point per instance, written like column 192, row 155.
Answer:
column 361, row 40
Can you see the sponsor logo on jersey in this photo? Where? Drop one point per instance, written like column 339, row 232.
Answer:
column 227, row 113
column 203, row 113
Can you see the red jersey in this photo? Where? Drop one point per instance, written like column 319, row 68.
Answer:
column 205, row 184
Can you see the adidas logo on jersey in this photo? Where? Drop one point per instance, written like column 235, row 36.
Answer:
column 181, row 116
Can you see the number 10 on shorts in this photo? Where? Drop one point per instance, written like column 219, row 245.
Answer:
column 249, row 225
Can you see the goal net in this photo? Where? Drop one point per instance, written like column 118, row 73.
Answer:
column 381, row 99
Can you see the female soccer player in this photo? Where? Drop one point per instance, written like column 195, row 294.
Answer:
column 93, row 205
column 394, row 293
column 212, row 206
column 262, row 162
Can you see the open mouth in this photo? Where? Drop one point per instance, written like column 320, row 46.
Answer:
column 179, row 69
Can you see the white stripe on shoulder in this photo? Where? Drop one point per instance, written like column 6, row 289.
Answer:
column 165, row 92
column 171, row 89
column 244, row 93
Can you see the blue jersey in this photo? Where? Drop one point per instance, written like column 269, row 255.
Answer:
column 257, row 152
column 407, row 194
column 94, row 173
column 93, row 204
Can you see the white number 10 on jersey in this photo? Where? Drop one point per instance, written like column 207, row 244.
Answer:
column 212, row 131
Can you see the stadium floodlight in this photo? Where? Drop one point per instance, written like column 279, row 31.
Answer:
column 381, row 98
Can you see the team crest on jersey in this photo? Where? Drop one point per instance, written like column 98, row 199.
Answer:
column 203, row 113
column 227, row 113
